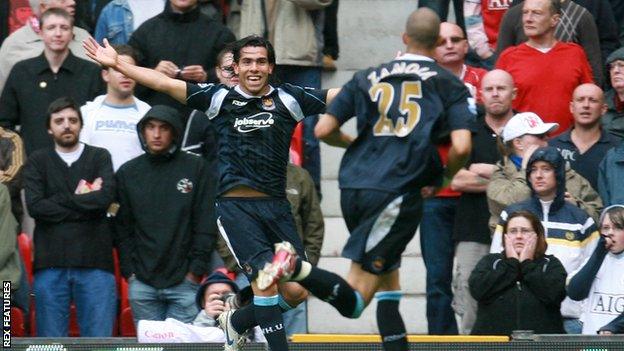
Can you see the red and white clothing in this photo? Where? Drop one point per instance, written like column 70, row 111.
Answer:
column 546, row 80
column 483, row 19
column 472, row 76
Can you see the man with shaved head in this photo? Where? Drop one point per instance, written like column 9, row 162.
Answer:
column 399, row 105
column 471, row 233
column 585, row 144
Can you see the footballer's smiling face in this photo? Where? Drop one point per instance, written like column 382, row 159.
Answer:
column 253, row 70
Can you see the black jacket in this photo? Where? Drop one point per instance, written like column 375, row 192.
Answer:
column 518, row 296
column 185, row 39
column 165, row 224
column 71, row 229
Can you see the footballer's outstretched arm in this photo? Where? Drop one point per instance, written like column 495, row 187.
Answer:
column 461, row 145
column 107, row 57
column 328, row 129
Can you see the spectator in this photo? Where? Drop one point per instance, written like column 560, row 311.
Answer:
column 306, row 210
column 610, row 175
column 598, row 282
column 331, row 49
column 613, row 119
column 211, row 297
column 574, row 24
column 470, row 230
column 199, row 136
column 545, row 70
column 11, row 162
column 165, row 221
column 522, row 135
column 585, row 144
column 111, row 119
column 88, row 12
column 451, row 53
column 522, row 287
column 10, row 259
column 120, row 18
column 14, row 14
column 436, row 228
column 571, row 233
column 605, row 19
column 34, row 83
column 69, row 188
column 187, row 48
column 483, row 19
column 295, row 27
column 441, row 7
column 28, row 42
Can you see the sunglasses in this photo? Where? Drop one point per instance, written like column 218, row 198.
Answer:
column 454, row 40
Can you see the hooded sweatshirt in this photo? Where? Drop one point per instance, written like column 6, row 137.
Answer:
column 570, row 233
column 165, row 224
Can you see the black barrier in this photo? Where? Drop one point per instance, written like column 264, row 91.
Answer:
column 560, row 343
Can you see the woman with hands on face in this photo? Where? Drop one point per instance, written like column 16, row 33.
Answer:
column 520, row 288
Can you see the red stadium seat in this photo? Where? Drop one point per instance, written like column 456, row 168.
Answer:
column 25, row 247
column 18, row 327
column 126, row 322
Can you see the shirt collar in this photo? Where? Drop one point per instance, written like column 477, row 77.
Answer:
column 414, row 57
column 247, row 96
column 70, row 63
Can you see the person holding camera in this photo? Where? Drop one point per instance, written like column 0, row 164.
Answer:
column 211, row 296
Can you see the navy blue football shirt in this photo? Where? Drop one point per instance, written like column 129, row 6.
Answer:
column 254, row 132
column 400, row 106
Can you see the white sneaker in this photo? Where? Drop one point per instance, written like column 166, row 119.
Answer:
column 281, row 268
column 233, row 340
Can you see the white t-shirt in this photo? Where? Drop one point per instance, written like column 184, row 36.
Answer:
column 113, row 128
column 142, row 10
column 72, row 156
column 606, row 296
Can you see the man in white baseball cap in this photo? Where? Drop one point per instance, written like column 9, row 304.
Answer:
column 526, row 123
column 523, row 134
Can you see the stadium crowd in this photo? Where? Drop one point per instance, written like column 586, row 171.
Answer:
column 146, row 159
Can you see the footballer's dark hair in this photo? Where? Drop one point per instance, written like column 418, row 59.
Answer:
column 254, row 41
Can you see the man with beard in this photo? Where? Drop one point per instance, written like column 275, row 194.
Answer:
column 68, row 189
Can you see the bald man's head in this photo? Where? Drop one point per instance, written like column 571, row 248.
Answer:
column 497, row 93
column 422, row 29
column 587, row 105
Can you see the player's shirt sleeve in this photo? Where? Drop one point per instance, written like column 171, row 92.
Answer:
column 311, row 101
column 200, row 96
column 460, row 106
column 343, row 105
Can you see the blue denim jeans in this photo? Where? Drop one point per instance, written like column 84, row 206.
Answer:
column 436, row 241
column 296, row 320
column 573, row 325
column 306, row 77
column 149, row 303
column 93, row 292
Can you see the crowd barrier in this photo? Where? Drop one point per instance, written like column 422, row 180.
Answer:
column 330, row 342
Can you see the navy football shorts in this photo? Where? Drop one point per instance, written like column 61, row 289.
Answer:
column 250, row 227
column 381, row 225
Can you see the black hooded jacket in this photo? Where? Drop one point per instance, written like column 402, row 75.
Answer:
column 165, row 224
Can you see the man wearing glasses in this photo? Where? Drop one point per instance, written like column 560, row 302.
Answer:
column 613, row 119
